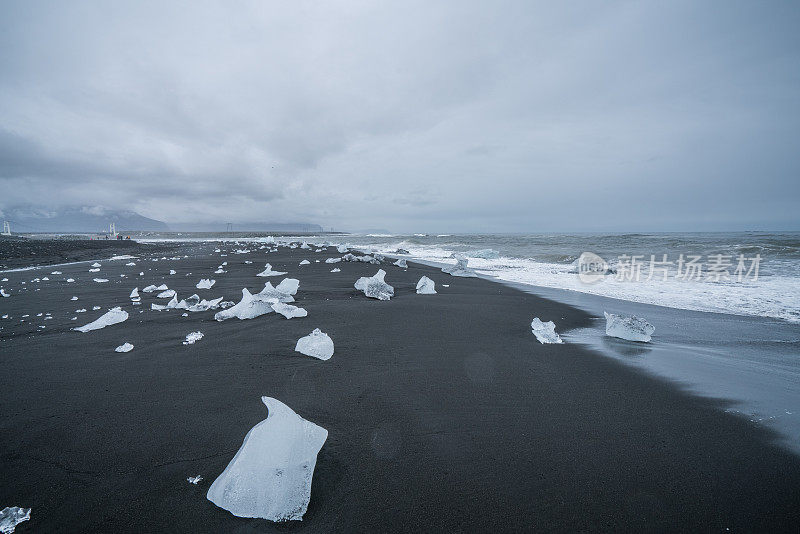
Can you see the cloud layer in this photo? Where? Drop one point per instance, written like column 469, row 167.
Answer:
column 415, row 116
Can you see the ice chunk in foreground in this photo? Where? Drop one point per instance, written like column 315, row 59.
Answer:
column 194, row 480
column 304, row 262
column 336, row 270
column 95, row 264
column 166, row 294
column 631, row 327
column 333, row 260
column 172, row 304
column 125, row 347
column 545, row 332
column 316, row 344
column 460, row 268
column 249, row 307
column 401, row 263
column 134, row 293
column 374, row 286
column 205, row 283
column 100, row 280
column 342, row 249
column 289, row 311
column 112, row 316
column 12, row 516
column 426, row 286
column 4, row 294
column 269, row 272
column 149, row 289
column 270, row 292
column 288, row 286
column 193, row 337
column 270, row 476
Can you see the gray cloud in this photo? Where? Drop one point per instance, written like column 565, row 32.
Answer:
column 415, row 116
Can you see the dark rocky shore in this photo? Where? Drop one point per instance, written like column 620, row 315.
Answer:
column 444, row 413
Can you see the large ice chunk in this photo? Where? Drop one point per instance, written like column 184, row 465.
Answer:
column 401, row 263
column 205, row 283
column 172, row 304
column 374, row 286
column 125, row 347
column 460, row 268
column 316, row 344
column 426, row 286
column 288, row 286
column 630, row 327
column 169, row 293
column 270, row 477
column 11, row 516
column 545, row 332
column 289, row 311
column 270, row 292
column 365, row 259
column 112, row 316
column 269, row 272
column 135, row 293
column 149, row 289
column 249, row 307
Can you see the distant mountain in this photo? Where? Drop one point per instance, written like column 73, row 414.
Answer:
column 246, row 227
column 78, row 219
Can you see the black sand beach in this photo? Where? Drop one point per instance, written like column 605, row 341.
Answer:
column 444, row 413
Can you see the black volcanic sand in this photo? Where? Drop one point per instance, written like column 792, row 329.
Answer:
column 20, row 252
column 444, row 412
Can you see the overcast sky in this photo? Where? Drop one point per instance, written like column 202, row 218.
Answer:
column 412, row 116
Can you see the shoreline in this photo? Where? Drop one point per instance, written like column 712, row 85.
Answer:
column 444, row 412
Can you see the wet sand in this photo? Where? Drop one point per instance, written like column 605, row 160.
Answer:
column 444, row 413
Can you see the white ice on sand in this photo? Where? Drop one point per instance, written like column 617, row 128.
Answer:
column 288, row 286
column 194, row 480
column 630, row 327
column 205, row 283
column 172, row 271
column 270, row 476
column 333, row 260
column 166, row 294
column 426, row 286
column 4, row 294
column 193, row 337
column 545, row 332
column 251, row 306
column 401, row 263
column 289, row 311
column 375, row 287
column 100, row 280
column 11, row 516
column 336, row 270
column 172, row 304
column 317, row 344
column 125, row 347
column 365, row 259
column 135, row 293
column 95, row 264
column 304, row 262
column 460, row 268
column 112, row 316
column 269, row 272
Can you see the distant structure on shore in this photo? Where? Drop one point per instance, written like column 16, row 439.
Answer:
column 6, row 228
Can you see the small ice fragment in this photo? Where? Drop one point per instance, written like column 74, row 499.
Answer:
column 375, row 287
column 545, row 332
column 56, row 272
column 289, row 311
column 172, row 304
column 74, row 298
column 130, row 264
column 288, row 286
column 125, row 347
column 270, row 476
column 4, row 294
column 631, row 327
column 426, row 286
column 149, row 289
column 162, row 287
column 304, row 262
column 93, row 270
column 317, row 344
column 12, row 516
column 166, row 294
column 172, row 271
column 112, row 316
column 70, row 280
column 135, row 293
column 95, row 264
column 333, row 260
column 194, row 480
column 336, row 270
column 100, row 280
column 401, row 263
column 95, row 308
column 205, row 283
column 460, row 268
column 269, row 272
column 193, row 337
